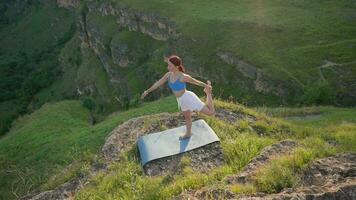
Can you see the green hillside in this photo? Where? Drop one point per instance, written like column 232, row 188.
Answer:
column 54, row 138
column 290, row 39
column 70, row 75
column 57, row 142
column 298, row 52
column 30, row 44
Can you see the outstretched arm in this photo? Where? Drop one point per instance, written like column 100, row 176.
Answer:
column 189, row 79
column 155, row 85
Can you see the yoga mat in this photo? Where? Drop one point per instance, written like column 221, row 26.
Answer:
column 167, row 143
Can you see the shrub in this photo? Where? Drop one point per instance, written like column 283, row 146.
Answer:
column 318, row 94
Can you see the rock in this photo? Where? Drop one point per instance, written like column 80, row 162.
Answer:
column 267, row 85
column 242, row 66
column 151, row 24
column 262, row 81
column 126, row 135
column 201, row 159
column 206, row 193
column 232, row 116
column 68, row 3
column 331, row 178
column 330, row 171
column 63, row 192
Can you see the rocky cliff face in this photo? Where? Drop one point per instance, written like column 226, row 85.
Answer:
column 117, row 54
column 114, row 53
column 68, row 3
column 262, row 81
column 150, row 24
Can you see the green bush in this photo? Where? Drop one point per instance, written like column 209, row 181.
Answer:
column 89, row 104
column 319, row 94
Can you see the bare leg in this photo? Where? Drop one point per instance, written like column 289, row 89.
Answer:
column 209, row 99
column 188, row 122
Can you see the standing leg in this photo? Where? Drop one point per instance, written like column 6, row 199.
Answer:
column 188, row 122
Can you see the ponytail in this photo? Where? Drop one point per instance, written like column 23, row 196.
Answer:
column 181, row 68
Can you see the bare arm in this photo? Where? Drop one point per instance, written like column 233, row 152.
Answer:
column 155, row 85
column 158, row 83
column 189, row 79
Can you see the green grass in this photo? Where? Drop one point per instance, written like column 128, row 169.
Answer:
column 55, row 143
column 323, row 131
column 42, row 144
column 239, row 144
column 127, row 181
column 315, row 116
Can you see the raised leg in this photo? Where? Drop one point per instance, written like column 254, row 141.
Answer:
column 209, row 109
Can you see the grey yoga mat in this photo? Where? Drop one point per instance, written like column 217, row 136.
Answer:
column 167, row 143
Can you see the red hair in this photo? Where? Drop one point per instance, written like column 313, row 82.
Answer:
column 177, row 61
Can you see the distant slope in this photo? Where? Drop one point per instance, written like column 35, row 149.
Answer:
column 31, row 39
column 298, row 51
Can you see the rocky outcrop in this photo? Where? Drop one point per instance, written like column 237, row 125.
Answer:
column 206, row 193
column 262, row 81
column 329, row 173
column 113, row 51
column 68, row 3
column 66, row 191
column 268, row 85
column 341, row 80
column 331, row 178
column 242, row 66
column 151, row 24
column 201, row 159
column 233, row 116
column 124, row 137
column 267, row 153
column 127, row 134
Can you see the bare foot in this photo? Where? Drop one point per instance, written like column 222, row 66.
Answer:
column 185, row 136
column 208, row 88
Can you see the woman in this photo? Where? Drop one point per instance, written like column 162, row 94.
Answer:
column 187, row 100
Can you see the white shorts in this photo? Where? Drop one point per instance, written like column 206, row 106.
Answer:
column 189, row 101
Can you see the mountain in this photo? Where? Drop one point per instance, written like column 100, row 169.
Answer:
column 72, row 72
column 107, row 52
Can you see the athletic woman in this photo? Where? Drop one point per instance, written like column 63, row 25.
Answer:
column 187, row 100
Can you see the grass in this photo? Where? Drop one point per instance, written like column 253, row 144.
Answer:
column 332, row 131
column 127, row 181
column 56, row 143
column 239, row 144
column 315, row 116
column 44, row 143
